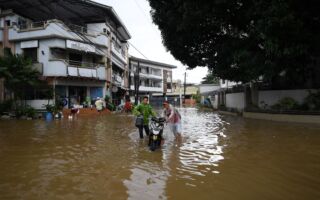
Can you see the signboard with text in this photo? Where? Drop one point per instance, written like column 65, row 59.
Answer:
column 80, row 46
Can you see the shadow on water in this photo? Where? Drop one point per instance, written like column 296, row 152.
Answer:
column 219, row 157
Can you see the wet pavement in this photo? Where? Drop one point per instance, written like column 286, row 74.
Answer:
column 102, row 157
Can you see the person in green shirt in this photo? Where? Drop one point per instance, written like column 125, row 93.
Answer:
column 146, row 111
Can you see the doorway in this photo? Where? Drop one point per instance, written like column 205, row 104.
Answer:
column 77, row 95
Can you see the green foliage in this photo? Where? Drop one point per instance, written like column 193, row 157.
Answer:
column 6, row 106
column 312, row 101
column 52, row 108
column 110, row 106
column 107, row 98
column 243, row 40
column 49, row 107
column 197, row 97
column 18, row 74
column 210, row 78
column 25, row 111
column 286, row 103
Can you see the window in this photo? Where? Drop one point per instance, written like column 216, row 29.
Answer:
column 57, row 53
column 8, row 22
column 75, row 59
column 31, row 53
column 32, row 94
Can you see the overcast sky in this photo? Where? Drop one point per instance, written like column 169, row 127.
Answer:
column 135, row 14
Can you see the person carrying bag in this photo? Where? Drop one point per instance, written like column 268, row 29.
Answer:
column 143, row 111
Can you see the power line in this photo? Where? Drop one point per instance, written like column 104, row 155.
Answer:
column 140, row 8
column 146, row 17
column 138, row 51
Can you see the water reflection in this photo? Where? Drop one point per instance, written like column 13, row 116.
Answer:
column 102, row 157
column 199, row 153
column 204, row 140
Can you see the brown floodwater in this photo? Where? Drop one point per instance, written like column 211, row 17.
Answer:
column 219, row 157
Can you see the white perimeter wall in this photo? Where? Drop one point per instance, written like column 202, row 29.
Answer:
column 215, row 102
column 272, row 97
column 235, row 100
column 39, row 104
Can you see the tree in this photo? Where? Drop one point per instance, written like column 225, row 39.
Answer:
column 18, row 74
column 242, row 40
column 210, row 78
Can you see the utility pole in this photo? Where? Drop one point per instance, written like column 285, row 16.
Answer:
column 184, row 87
column 136, row 84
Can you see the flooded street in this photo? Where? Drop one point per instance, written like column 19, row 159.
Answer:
column 219, row 157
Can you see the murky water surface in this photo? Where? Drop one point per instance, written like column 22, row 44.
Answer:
column 219, row 157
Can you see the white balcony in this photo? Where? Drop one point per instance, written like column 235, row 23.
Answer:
column 62, row 68
column 150, row 76
column 119, row 52
column 148, row 89
column 54, row 28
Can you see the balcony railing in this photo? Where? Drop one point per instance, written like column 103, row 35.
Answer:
column 77, row 28
column 33, row 25
column 119, row 49
column 75, row 63
column 62, row 68
column 148, row 88
column 150, row 85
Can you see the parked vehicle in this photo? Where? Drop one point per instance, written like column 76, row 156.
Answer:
column 156, row 132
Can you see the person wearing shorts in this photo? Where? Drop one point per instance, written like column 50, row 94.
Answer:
column 173, row 117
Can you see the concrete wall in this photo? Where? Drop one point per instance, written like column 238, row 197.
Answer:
column 235, row 100
column 44, row 46
column 39, row 104
column 215, row 101
column 55, row 68
column 315, row 119
column 273, row 96
column 96, row 28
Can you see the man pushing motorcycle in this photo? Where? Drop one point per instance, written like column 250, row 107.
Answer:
column 146, row 111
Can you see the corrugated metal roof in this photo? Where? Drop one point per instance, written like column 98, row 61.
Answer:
column 73, row 11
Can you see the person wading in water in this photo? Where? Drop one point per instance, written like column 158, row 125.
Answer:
column 146, row 111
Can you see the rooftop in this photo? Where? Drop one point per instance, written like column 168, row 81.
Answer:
column 73, row 11
column 152, row 62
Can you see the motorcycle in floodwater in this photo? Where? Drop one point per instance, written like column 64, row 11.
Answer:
column 156, row 131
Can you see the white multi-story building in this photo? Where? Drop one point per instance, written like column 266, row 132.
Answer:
column 80, row 47
column 153, row 77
